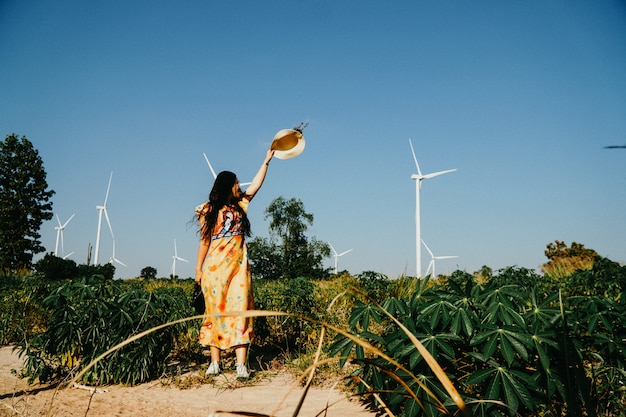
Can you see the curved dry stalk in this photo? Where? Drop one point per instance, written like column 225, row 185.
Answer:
column 298, row 381
column 497, row 402
column 430, row 360
column 249, row 313
column 389, row 359
column 312, row 373
column 375, row 394
column 311, row 369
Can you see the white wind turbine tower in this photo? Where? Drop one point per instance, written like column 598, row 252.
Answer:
column 418, row 185
column 103, row 209
column 59, row 230
column 176, row 257
column 242, row 184
column 337, row 255
column 431, row 265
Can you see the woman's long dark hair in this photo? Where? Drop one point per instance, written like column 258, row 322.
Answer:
column 222, row 195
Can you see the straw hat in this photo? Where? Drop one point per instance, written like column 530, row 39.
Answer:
column 288, row 143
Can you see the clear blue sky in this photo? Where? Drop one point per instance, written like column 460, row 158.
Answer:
column 519, row 97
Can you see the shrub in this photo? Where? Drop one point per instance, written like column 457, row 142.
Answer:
column 605, row 277
column 107, row 270
column 295, row 296
column 503, row 343
column 22, row 314
column 374, row 284
column 55, row 268
column 90, row 316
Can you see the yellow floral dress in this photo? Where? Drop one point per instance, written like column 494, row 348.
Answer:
column 226, row 282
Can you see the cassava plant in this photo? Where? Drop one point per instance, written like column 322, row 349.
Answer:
column 89, row 316
column 507, row 348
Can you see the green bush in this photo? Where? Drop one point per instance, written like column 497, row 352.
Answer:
column 54, row 268
column 107, row 271
column 22, row 314
column 295, row 296
column 605, row 277
column 503, row 343
column 374, row 284
column 90, row 316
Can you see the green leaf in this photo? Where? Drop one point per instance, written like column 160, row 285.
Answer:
column 518, row 389
column 480, row 376
column 506, row 348
column 491, row 346
column 493, row 388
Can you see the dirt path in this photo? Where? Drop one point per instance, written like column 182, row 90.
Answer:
column 273, row 395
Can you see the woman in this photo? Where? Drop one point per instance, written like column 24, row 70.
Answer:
column 222, row 267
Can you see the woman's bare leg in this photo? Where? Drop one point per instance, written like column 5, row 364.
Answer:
column 241, row 352
column 215, row 354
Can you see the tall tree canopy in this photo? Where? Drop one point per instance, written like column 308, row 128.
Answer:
column 288, row 253
column 25, row 203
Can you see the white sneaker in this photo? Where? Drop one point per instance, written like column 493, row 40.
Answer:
column 213, row 369
column 242, row 371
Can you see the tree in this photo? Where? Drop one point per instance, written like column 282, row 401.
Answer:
column 288, row 252
column 25, row 203
column 265, row 259
column 564, row 260
column 107, row 270
column 148, row 273
column 55, row 268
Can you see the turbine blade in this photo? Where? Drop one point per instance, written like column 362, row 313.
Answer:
column 109, row 223
column 58, row 220
column 427, row 248
column 343, row 253
column 333, row 249
column 68, row 220
column 435, row 174
column 210, row 166
column 181, row 259
column 431, row 268
column 120, row 262
column 113, row 258
column 106, row 197
column 445, row 257
column 415, row 158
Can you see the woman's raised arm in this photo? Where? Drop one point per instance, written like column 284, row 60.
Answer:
column 258, row 179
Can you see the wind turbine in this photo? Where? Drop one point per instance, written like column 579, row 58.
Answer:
column 59, row 230
column 243, row 184
column 431, row 265
column 418, row 185
column 103, row 209
column 337, row 255
column 113, row 258
column 176, row 257
column 210, row 166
